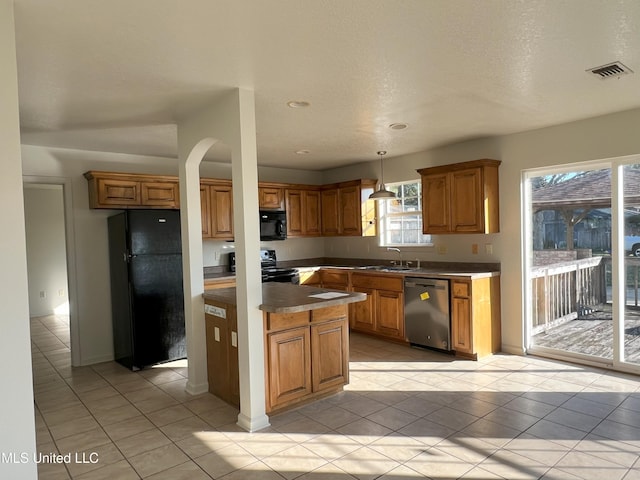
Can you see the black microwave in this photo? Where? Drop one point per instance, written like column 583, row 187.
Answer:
column 273, row 225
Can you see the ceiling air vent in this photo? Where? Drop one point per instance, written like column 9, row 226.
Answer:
column 611, row 70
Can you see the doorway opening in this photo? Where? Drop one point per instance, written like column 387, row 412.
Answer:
column 50, row 260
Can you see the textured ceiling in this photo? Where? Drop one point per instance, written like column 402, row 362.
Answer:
column 115, row 75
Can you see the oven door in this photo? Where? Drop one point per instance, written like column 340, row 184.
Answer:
column 281, row 275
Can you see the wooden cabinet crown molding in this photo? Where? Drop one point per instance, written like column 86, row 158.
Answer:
column 452, row 167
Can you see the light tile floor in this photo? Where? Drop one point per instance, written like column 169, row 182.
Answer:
column 406, row 414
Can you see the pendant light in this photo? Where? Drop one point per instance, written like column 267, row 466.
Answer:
column 382, row 193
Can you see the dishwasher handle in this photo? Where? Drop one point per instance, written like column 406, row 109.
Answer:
column 425, row 284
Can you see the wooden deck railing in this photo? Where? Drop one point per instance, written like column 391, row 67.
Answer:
column 562, row 290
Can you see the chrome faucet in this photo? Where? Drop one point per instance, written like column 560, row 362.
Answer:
column 393, row 249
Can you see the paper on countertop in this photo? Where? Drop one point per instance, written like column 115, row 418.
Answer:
column 329, row 295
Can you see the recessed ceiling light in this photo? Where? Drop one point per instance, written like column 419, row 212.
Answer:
column 298, row 104
column 398, row 126
column 303, row 152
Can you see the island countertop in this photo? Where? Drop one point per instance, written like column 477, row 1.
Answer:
column 290, row 298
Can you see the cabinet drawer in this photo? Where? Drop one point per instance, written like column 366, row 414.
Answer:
column 284, row 321
column 329, row 313
column 334, row 277
column 460, row 289
column 377, row 282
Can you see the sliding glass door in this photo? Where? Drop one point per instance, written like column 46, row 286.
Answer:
column 582, row 251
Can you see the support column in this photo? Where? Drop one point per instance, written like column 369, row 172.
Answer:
column 230, row 120
column 244, row 170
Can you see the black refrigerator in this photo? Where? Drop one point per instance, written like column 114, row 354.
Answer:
column 147, row 301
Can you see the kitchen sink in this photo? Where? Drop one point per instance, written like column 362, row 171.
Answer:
column 388, row 268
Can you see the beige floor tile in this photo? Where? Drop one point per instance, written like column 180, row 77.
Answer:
column 435, row 463
column 142, row 442
column 129, row 427
column 225, row 460
column 262, row 445
column 366, row 463
column 614, row 451
column 223, row 415
column 76, row 426
column 332, row 446
column 83, row 441
column 65, row 415
column 120, row 470
column 426, row 432
column 254, row 471
column 204, row 403
column 392, row 418
column 588, row 467
column 328, row 471
column 157, row 402
column 52, row 471
column 169, row 415
column 185, row 471
column 116, row 415
column 94, row 458
column 158, row 460
column 398, row 447
column 364, row 431
column 201, row 443
column 294, row 461
column 184, row 428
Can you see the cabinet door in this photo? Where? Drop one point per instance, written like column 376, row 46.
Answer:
column 115, row 192
column 362, row 314
column 294, row 213
column 461, row 324
column 329, row 351
column 221, row 211
column 288, row 365
column 435, row 203
column 467, row 201
column 270, row 197
column 350, row 210
column 390, row 313
column 311, row 220
column 205, row 211
column 330, row 212
column 160, row 194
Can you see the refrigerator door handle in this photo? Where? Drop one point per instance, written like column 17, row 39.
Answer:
column 127, row 257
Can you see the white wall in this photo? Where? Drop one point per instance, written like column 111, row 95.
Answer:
column 46, row 251
column 17, row 423
column 92, row 307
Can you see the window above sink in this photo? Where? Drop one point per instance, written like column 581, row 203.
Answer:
column 401, row 217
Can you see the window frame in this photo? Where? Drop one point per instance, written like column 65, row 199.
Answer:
column 385, row 216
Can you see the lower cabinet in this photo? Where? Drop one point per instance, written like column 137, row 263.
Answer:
column 288, row 365
column 383, row 311
column 306, row 354
column 308, row 360
column 475, row 317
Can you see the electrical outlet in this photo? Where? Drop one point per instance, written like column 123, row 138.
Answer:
column 474, row 248
column 442, row 249
column 61, row 292
column 488, row 248
column 216, row 255
column 43, row 294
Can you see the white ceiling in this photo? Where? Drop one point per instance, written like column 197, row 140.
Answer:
column 115, row 75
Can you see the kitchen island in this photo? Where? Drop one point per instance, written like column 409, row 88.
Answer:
column 306, row 340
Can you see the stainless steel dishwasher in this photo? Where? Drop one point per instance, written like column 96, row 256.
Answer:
column 426, row 312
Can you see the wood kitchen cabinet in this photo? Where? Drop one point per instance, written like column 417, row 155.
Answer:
column 475, row 317
column 124, row 191
column 220, row 205
column 271, row 197
column 383, row 311
column 307, row 355
column 336, row 279
column 461, row 198
column 303, row 212
column 347, row 210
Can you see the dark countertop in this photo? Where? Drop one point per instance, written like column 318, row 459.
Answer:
column 288, row 298
column 446, row 270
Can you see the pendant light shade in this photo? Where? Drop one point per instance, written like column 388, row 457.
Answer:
column 382, row 193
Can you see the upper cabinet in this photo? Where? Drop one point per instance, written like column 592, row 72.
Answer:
column 220, row 195
column 347, row 210
column 271, row 197
column 461, row 197
column 121, row 190
column 312, row 210
column 303, row 212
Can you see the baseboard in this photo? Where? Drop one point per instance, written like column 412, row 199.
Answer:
column 93, row 360
column 513, row 349
column 197, row 388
